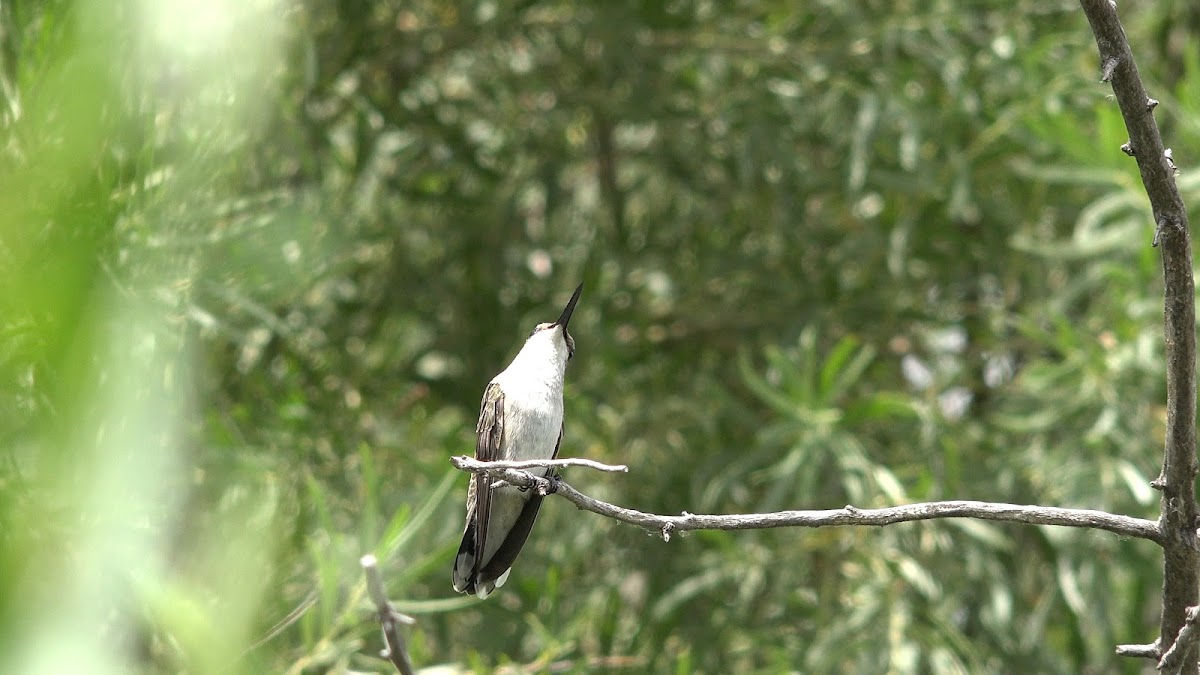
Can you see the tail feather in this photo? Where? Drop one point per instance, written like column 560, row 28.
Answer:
column 481, row 572
column 464, row 562
column 467, row 575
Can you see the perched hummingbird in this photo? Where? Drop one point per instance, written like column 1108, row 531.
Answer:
column 521, row 418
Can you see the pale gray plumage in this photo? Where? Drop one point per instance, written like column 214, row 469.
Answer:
column 521, row 418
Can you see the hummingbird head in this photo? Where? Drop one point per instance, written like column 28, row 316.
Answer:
column 557, row 330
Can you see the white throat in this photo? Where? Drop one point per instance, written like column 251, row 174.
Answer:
column 541, row 361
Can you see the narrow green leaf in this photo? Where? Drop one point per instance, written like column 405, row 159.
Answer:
column 390, row 546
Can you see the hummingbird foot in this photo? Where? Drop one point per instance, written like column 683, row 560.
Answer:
column 549, row 485
column 545, row 485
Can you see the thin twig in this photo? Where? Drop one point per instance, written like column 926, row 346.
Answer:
column 1150, row 651
column 1172, row 662
column 1177, row 522
column 666, row 525
column 389, row 618
column 475, row 466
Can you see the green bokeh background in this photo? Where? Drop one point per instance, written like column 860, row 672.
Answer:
column 258, row 260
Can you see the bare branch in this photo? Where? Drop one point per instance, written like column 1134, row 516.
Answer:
column 475, row 466
column 1172, row 662
column 1177, row 522
column 1150, row 651
column 665, row 525
column 389, row 618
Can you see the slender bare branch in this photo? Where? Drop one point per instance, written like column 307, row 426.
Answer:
column 666, row 525
column 389, row 618
column 1172, row 662
column 1177, row 522
column 473, row 465
column 1150, row 651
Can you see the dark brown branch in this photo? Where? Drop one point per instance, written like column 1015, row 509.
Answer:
column 848, row 516
column 389, row 618
column 1181, row 559
column 606, row 174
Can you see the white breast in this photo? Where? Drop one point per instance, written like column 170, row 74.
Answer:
column 533, row 410
column 533, row 397
column 533, row 415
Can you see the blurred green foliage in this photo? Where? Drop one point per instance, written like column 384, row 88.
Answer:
column 259, row 259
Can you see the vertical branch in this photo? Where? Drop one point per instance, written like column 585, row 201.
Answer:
column 606, row 173
column 389, row 618
column 1181, row 561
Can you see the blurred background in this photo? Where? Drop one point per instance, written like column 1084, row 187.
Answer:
column 259, row 258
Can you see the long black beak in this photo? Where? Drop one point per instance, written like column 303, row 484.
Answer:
column 566, row 314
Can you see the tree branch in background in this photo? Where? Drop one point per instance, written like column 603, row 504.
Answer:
column 606, row 175
column 1177, row 522
column 389, row 618
column 666, row 525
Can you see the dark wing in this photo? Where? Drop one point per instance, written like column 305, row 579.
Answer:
column 489, row 434
column 506, row 554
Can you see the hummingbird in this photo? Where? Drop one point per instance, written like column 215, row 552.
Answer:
column 521, row 418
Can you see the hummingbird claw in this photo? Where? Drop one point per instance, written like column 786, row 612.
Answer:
column 549, row 484
column 546, row 485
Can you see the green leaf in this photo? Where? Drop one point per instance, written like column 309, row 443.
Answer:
column 401, row 530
